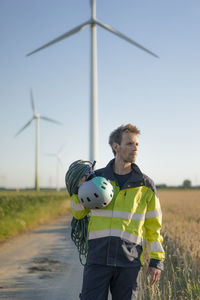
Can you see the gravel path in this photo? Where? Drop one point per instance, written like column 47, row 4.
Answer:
column 42, row 264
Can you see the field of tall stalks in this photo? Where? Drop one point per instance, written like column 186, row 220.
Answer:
column 181, row 232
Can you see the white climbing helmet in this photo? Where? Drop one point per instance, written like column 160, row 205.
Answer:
column 95, row 193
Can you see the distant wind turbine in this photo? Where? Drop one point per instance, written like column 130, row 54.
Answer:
column 58, row 162
column 93, row 98
column 36, row 117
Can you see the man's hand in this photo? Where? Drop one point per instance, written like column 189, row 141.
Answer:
column 82, row 180
column 154, row 274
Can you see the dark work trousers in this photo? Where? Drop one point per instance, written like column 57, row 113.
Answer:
column 97, row 279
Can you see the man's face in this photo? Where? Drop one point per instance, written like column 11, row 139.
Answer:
column 128, row 149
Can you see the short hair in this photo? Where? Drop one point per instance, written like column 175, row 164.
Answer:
column 116, row 135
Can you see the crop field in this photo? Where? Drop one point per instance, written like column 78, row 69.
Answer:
column 22, row 210
column 181, row 232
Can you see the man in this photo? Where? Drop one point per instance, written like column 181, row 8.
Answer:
column 118, row 233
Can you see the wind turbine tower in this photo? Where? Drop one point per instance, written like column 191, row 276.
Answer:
column 58, row 162
column 36, row 116
column 93, row 22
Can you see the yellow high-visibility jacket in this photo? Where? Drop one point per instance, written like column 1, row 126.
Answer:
column 119, row 232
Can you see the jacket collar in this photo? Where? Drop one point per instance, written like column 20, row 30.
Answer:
column 135, row 176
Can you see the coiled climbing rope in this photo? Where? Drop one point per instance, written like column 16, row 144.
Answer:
column 79, row 228
column 77, row 170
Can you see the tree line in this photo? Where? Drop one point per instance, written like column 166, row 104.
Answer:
column 187, row 184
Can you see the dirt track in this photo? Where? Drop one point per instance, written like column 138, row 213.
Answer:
column 42, row 264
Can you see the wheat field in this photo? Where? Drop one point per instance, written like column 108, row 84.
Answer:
column 181, row 232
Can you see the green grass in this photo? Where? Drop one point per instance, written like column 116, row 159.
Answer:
column 22, row 210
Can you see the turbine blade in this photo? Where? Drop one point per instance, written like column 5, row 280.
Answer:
column 26, row 125
column 60, row 149
column 32, row 101
column 50, row 154
column 122, row 36
column 50, row 120
column 61, row 37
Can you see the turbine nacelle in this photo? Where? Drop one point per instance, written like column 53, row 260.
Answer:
column 37, row 116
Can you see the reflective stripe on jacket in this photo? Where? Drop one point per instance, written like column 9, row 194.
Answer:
column 118, row 233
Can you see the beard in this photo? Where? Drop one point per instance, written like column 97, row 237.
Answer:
column 130, row 159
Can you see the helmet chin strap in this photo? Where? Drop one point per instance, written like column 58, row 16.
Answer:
column 94, row 163
column 91, row 171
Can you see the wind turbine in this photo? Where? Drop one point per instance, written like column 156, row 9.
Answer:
column 93, row 22
column 36, row 116
column 58, row 162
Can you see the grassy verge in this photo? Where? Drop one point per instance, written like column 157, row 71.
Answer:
column 22, row 210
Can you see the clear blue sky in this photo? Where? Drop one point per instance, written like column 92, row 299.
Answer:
column 160, row 96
